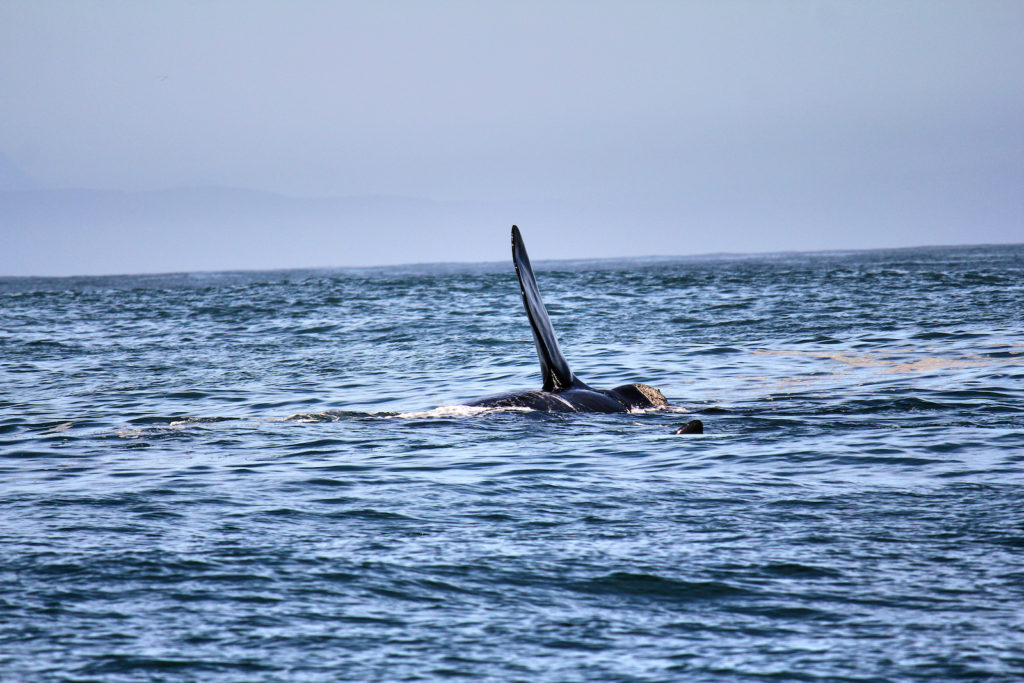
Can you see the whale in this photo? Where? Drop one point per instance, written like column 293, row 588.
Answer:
column 562, row 391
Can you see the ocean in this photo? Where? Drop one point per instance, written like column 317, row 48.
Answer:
column 267, row 476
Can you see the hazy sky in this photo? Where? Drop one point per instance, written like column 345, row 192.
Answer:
column 602, row 128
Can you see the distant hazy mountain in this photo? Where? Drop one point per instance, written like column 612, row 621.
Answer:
column 65, row 232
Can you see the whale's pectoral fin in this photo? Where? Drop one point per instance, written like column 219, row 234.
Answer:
column 553, row 365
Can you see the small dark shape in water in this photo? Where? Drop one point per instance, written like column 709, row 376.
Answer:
column 562, row 391
column 691, row 427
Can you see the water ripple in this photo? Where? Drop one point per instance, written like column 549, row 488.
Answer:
column 267, row 476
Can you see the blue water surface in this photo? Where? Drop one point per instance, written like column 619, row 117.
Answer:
column 265, row 476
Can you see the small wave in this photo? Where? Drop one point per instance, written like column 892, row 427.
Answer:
column 460, row 411
column 334, row 416
column 653, row 586
column 200, row 420
column 470, row 411
column 158, row 426
column 800, row 571
column 663, row 409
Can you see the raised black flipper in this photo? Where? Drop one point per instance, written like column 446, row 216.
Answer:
column 553, row 366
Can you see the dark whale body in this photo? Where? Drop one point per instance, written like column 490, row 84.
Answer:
column 562, row 392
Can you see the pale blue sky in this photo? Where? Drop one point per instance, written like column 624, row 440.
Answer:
column 603, row 129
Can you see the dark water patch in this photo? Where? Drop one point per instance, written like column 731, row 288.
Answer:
column 342, row 468
column 626, row 584
column 158, row 420
column 714, row 410
column 115, row 664
column 326, row 482
column 715, row 351
column 799, row 571
column 10, row 427
column 326, row 444
column 369, row 514
column 971, row 395
column 17, row 454
column 888, row 406
column 187, row 394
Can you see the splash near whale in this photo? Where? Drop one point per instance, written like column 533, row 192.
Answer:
column 562, row 390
